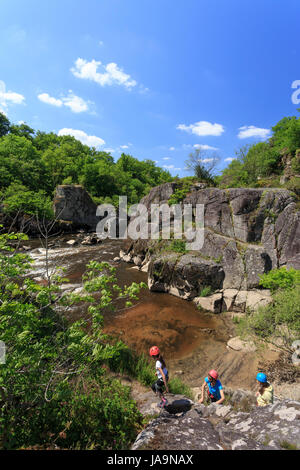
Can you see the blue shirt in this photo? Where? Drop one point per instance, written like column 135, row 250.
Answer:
column 214, row 390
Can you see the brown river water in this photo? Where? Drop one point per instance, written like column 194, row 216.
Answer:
column 191, row 341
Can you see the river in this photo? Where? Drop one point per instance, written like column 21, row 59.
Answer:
column 192, row 341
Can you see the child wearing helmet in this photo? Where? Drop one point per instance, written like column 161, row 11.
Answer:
column 162, row 376
column 265, row 391
column 214, row 387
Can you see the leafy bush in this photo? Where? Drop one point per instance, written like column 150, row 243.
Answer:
column 294, row 185
column 184, row 187
column 279, row 320
column 281, row 278
column 177, row 245
column 260, row 164
column 54, row 386
column 19, row 198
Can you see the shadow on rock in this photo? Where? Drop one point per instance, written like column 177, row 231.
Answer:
column 179, row 406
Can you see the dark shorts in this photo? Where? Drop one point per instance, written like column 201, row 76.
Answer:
column 211, row 397
column 158, row 386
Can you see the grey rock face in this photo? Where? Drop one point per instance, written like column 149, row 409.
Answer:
column 187, row 274
column 186, row 426
column 72, row 203
column 247, row 232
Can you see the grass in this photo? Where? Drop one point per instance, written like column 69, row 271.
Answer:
column 207, row 290
column 177, row 387
column 288, row 446
column 177, row 245
column 139, row 367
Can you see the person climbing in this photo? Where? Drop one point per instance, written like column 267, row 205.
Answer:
column 215, row 390
column 265, row 391
column 162, row 376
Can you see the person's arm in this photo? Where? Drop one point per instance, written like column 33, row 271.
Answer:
column 202, row 392
column 164, row 379
column 222, row 397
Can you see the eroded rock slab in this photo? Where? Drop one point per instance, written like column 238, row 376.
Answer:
column 189, row 426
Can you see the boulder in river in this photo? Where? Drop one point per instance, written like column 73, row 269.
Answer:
column 73, row 203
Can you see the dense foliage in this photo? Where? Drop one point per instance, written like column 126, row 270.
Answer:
column 254, row 164
column 36, row 162
column 278, row 322
column 281, row 278
column 54, row 385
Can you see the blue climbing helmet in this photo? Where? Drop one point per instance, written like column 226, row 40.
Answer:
column 261, row 377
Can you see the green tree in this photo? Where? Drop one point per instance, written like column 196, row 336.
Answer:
column 202, row 165
column 286, row 134
column 20, row 162
column 22, row 130
column 4, row 125
column 54, row 388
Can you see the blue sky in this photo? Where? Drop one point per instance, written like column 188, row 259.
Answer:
column 153, row 79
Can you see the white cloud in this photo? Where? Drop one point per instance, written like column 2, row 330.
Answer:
column 206, row 160
column 252, row 131
column 172, row 148
column 202, row 128
column 167, row 158
column 205, row 147
column 75, row 103
column 45, row 98
column 171, row 167
column 111, row 74
column 100, row 43
column 229, row 159
column 124, row 146
column 9, row 97
column 90, row 140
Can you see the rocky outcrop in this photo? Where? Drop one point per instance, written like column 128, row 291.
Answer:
column 187, row 275
column 183, row 425
column 247, row 232
column 232, row 299
column 72, row 203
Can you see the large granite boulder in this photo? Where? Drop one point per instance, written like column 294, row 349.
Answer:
column 72, row 203
column 183, row 275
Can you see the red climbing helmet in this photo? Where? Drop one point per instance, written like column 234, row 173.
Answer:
column 154, row 351
column 214, row 374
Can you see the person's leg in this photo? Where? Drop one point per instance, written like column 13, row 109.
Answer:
column 164, row 401
column 154, row 387
column 160, row 388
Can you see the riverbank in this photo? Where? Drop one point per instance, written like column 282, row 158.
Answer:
column 193, row 341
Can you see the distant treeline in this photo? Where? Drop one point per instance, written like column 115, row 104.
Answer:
column 263, row 163
column 33, row 163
